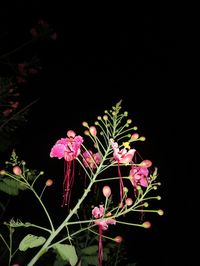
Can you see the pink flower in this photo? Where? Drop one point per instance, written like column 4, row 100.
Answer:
column 68, row 148
column 122, row 156
column 58, row 149
column 139, row 176
column 91, row 159
column 98, row 212
column 103, row 224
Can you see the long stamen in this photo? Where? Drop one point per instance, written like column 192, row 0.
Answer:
column 66, row 184
column 100, row 250
column 120, row 184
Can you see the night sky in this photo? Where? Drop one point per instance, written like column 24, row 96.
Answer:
column 102, row 55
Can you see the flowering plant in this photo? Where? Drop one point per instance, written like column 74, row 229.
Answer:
column 110, row 181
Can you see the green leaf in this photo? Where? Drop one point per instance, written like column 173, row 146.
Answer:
column 31, row 241
column 90, row 250
column 11, row 186
column 10, row 182
column 14, row 191
column 67, row 253
column 90, row 260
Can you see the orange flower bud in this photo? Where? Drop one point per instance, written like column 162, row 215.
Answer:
column 49, row 182
column 135, row 136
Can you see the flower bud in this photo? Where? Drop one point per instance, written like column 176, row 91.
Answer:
column 146, row 163
column 93, row 130
column 2, row 172
column 17, row 170
column 118, row 239
column 134, row 136
column 125, row 189
column 85, row 124
column 146, row 224
column 49, row 182
column 86, row 132
column 105, row 117
column 160, row 212
column 106, row 191
column 71, row 134
column 129, row 201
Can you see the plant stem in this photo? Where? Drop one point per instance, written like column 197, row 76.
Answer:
column 46, row 245
column 57, row 231
column 44, row 208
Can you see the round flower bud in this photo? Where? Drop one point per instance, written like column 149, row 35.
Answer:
column 160, row 212
column 106, row 191
column 105, row 117
column 93, row 130
column 85, row 124
column 2, row 172
column 118, row 239
column 134, row 136
column 86, row 132
column 17, row 170
column 129, row 201
column 125, row 189
column 146, row 224
column 146, row 163
column 71, row 134
column 49, row 182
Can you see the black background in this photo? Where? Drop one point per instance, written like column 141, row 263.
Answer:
column 104, row 54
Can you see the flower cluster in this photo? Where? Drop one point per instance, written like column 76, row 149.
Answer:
column 125, row 184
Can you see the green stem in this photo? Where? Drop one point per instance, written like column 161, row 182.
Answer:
column 46, row 245
column 139, row 225
column 4, row 241
column 39, row 227
column 10, row 249
column 44, row 208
